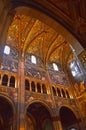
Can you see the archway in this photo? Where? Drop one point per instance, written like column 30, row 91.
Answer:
column 6, row 114
column 38, row 117
column 68, row 119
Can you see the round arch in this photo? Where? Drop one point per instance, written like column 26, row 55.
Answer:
column 41, row 102
column 69, row 118
column 69, row 107
column 7, row 112
column 38, row 116
column 52, row 23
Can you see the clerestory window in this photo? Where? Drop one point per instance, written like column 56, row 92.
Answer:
column 55, row 67
column 33, row 59
column 7, row 50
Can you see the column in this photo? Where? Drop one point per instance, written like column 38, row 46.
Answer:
column 57, row 124
column 30, row 84
column 21, row 96
column 8, row 82
column 35, row 86
column 51, row 92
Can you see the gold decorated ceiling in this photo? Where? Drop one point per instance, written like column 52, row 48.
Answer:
column 32, row 36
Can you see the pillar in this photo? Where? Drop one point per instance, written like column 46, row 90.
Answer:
column 51, row 91
column 57, row 124
column 21, row 96
column 8, row 82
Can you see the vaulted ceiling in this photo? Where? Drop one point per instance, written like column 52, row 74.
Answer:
column 31, row 35
column 70, row 13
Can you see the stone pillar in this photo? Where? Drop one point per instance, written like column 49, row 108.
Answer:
column 57, row 124
column 21, row 96
column 30, row 85
column 51, row 92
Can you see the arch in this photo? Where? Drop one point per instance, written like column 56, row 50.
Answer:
column 12, row 81
column 7, row 113
column 52, row 23
column 54, row 91
column 58, row 91
column 68, row 118
column 67, row 93
column 33, row 86
column 40, row 118
column 41, row 102
column 27, row 84
column 5, row 80
column 38, row 88
column 44, row 89
column 30, row 122
column 69, row 107
column 63, row 93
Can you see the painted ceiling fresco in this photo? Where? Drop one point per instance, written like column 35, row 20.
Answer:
column 32, row 36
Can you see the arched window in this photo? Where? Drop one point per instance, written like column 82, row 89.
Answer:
column 54, row 91
column 58, row 91
column 33, row 86
column 33, row 59
column 55, row 67
column 75, row 69
column 5, row 80
column 44, row 89
column 67, row 94
column 27, row 84
column 7, row 50
column 12, row 81
column 63, row 93
column 38, row 88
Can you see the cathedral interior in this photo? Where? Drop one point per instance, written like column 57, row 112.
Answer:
column 43, row 65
